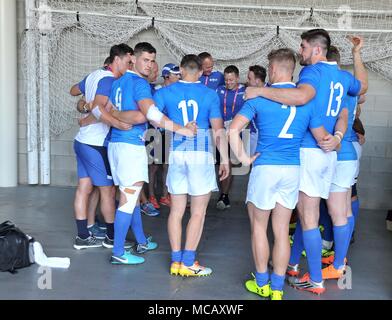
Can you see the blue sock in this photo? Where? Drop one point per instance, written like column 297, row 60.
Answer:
column 137, row 226
column 341, row 237
column 82, row 229
column 355, row 209
column 351, row 223
column 313, row 246
column 277, row 282
column 298, row 245
column 262, row 278
column 176, row 256
column 188, row 257
column 122, row 222
column 326, row 222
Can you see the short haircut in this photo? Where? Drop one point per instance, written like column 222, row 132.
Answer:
column 144, row 47
column 283, row 55
column 204, row 55
column 107, row 61
column 319, row 36
column 232, row 69
column 191, row 62
column 259, row 72
column 333, row 54
column 119, row 50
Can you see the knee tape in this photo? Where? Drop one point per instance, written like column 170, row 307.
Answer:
column 132, row 195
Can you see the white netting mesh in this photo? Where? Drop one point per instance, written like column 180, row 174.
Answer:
column 241, row 32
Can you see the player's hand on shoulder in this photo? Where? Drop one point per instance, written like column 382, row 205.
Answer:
column 251, row 93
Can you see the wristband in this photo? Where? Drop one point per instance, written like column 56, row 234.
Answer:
column 96, row 113
column 340, row 134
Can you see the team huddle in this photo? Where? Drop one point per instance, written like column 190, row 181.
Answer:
column 302, row 150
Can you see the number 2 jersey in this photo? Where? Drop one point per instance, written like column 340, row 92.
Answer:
column 332, row 85
column 280, row 128
column 185, row 101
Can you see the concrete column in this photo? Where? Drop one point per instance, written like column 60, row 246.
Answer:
column 8, row 95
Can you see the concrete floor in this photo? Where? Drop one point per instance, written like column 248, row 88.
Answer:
column 46, row 213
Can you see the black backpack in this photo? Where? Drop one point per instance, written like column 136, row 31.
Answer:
column 14, row 248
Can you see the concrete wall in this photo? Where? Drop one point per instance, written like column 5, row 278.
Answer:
column 375, row 183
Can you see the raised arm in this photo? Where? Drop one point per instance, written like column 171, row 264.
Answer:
column 360, row 71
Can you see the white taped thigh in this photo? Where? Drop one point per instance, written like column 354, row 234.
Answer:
column 132, row 195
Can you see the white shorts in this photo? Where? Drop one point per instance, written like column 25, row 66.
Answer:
column 358, row 149
column 269, row 184
column 344, row 176
column 128, row 163
column 191, row 172
column 317, row 171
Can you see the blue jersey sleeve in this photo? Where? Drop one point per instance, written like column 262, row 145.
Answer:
column 309, row 75
column 248, row 110
column 142, row 90
column 354, row 85
column 112, row 97
column 104, row 87
column 215, row 111
column 316, row 120
column 159, row 100
column 82, row 86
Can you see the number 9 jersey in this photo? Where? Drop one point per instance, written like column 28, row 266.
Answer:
column 332, row 85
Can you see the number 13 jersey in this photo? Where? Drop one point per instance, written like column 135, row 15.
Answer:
column 332, row 85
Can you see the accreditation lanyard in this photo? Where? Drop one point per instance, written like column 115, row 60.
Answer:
column 206, row 81
column 225, row 102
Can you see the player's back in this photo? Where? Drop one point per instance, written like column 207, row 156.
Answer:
column 185, row 101
column 332, row 86
column 280, row 128
column 126, row 92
